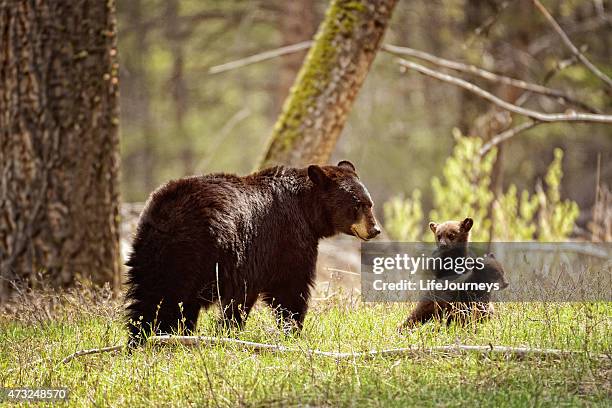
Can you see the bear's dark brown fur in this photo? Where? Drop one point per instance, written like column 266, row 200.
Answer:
column 452, row 238
column 262, row 230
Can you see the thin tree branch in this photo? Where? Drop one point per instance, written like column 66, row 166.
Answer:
column 489, row 22
column 396, row 50
column 507, row 134
column 488, row 75
column 192, row 341
column 91, row 351
column 220, row 137
column 568, row 43
column 539, row 116
column 266, row 55
column 69, row 358
column 518, row 352
column 590, row 26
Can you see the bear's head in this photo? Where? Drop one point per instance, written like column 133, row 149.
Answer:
column 452, row 233
column 346, row 202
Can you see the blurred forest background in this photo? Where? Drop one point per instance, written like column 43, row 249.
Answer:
column 178, row 119
column 495, row 109
column 500, row 110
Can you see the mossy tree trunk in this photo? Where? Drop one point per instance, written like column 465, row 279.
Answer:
column 321, row 98
column 58, row 141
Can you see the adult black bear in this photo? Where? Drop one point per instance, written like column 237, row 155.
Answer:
column 226, row 239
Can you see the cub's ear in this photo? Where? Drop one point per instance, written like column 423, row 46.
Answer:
column 317, row 175
column 466, row 224
column 433, row 226
column 346, row 164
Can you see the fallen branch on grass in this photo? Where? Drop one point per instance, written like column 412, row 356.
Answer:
column 192, row 341
column 70, row 357
column 91, row 351
column 517, row 352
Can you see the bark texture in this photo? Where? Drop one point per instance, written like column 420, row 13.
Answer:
column 58, row 141
column 336, row 66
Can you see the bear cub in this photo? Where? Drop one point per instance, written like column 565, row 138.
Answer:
column 452, row 239
column 229, row 240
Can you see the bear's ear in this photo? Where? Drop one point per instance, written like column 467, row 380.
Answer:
column 433, row 226
column 317, row 175
column 347, row 165
column 466, row 224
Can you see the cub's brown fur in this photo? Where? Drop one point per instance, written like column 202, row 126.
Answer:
column 452, row 238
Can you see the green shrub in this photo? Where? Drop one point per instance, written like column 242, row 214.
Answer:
column 406, row 216
column 464, row 190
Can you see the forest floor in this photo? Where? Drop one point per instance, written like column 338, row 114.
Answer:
column 40, row 329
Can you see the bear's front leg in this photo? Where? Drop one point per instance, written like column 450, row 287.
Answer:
column 423, row 312
column 290, row 305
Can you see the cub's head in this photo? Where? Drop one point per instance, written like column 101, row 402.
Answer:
column 345, row 201
column 452, row 233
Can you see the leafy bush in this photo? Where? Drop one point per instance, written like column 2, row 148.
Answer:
column 407, row 215
column 464, row 190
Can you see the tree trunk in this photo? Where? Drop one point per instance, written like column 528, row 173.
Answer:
column 496, row 120
column 58, row 149
column 336, row 65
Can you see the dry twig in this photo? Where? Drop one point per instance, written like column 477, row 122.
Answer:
column 262, row 56
column 569, row 44
column 535, row 115
column 487, row 75
column 507, row 134
column 91, row 351
column 192, row 341
column 517, row 352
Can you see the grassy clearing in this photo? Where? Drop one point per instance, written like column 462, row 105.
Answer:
column 48, row 327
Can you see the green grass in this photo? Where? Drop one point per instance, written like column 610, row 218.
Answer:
column 50, row 327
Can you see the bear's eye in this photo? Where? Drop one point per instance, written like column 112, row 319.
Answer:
column 451, row 236
column 439, row 237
